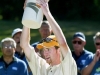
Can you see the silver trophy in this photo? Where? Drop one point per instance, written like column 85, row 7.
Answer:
column 33, row 15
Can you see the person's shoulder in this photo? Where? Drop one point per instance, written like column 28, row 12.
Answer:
column 90, row 57
column 88, row 52
column 19, row 61
column 20, row 64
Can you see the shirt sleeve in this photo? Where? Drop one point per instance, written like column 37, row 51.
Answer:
column 37, row 64
column 69, row 64
column 23, row 68
column 88, row 60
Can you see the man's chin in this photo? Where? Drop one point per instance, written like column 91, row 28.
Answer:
column 48, row 61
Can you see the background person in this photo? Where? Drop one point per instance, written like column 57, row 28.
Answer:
column 16, row 34
column 80, row 53
column 45, row 30
column 9, row 64
column 96, row 40
column 92, row 64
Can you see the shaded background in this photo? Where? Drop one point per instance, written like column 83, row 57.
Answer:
column 61, row 9
column 72, row 16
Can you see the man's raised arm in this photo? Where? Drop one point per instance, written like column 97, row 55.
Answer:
column 55, row 27
column 25, row 41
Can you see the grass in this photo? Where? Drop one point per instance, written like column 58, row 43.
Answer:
column 89, row 28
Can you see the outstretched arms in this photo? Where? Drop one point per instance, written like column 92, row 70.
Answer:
column 25, row 37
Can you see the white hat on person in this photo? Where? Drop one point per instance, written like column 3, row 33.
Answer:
column 79, row 35
column 16, row 31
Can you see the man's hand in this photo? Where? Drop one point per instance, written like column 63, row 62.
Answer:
column 44, row 5
column 97, row 56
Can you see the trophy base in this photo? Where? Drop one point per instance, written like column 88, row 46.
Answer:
column 31, row 24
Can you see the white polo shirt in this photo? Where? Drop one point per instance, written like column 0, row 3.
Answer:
column 40, row 67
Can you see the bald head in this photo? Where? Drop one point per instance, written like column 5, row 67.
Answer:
column 45, row 29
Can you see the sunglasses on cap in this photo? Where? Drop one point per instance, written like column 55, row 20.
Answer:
column 78, row 42
column 47, row 40
column 97, row 43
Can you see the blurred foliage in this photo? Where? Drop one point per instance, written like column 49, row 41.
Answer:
column 89, row 28
column 11, row 10
column 61, row 9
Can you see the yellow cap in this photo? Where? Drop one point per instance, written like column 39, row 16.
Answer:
column 51, row 41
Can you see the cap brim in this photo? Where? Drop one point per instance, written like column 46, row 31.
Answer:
column 16, row 32
column 81, row 39
column 39, row 46
column 47, row 45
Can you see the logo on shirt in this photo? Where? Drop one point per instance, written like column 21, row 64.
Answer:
column 14, row 68
column 98, row 69
column 83, row 62
column 96, row 74
column 1, row 67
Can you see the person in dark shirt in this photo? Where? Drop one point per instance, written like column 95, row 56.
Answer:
column 80, row 53
column 92, row 64
column 9, row 64
column 19, row 52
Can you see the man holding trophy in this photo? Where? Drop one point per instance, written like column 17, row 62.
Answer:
column 55, row 47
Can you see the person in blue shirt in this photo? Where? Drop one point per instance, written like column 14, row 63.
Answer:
column 19, row 52
column 45, row 30
column 9, row 64
column 92, row 64
column 80, row 53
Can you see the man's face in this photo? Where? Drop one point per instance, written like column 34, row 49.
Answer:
column 50, row 54
column 45, row 31
column 47, row 55
column 17, row 37
column 78, row 44
column 17, row 40
column 8, row 49
column 97, row 43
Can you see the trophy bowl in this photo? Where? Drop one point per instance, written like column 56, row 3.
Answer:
column 33, row 15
